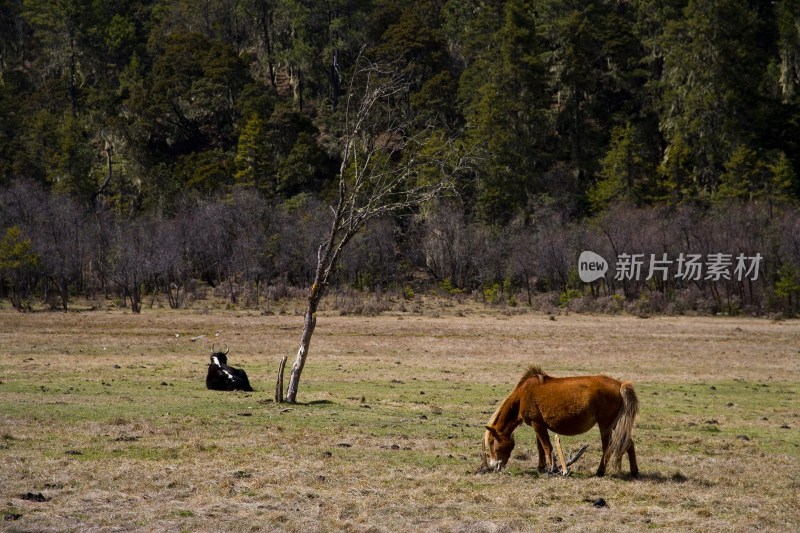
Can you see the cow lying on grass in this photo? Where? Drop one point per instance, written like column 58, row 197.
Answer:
column 223, row 377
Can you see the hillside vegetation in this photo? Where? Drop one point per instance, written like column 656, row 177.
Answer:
column 145, row 145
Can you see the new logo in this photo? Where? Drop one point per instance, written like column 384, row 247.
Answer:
column 591, row 267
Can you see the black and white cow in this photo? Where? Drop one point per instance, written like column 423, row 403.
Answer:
column 223, row 377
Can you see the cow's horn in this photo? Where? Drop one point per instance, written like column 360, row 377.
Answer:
column 227, row 349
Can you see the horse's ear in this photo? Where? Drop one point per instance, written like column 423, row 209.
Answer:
column 493, row 431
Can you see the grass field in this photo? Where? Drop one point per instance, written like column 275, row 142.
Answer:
column 106, row 415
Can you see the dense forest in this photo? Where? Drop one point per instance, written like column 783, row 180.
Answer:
column 150, row 147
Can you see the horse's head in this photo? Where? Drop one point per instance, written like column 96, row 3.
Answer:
column 497, row 449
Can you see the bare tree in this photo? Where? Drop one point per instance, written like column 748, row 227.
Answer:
column 450, row 246
column 371, row 259
column 555, row 252
column 296, row 244
column 135, row 255
column 61, row 240
column 384, row 170
column 252, row 252
column 522, row 264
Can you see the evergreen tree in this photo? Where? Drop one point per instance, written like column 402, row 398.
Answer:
column 748, row 176
column 252, row 156
column 73, row 161
column 709, row 83
column 627, row 171
column 505, row 104
column 305, row 168
column 788, row 22
column 595, row 73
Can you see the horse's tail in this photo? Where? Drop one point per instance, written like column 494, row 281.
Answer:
column 622, row 432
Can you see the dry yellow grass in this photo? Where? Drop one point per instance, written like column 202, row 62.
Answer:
column 105, row 413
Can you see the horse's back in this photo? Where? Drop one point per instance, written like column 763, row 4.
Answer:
column 572, row 405
column 588, row 388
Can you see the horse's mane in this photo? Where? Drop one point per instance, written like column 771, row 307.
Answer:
column 533, row 370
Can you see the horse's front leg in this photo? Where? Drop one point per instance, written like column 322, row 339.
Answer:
column 542, row 465
column 545, row 448
column 605, row 438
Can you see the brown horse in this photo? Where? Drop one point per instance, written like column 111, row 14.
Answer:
column 567, row 406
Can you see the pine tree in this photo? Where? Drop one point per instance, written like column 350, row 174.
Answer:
column 710, row 77
column 505, row 106
column 749, row 176
column 252, row 157
column 626, row 171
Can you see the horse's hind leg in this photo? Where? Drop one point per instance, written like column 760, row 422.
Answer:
column 632, row 461
column 605, row 438
column 545, row 448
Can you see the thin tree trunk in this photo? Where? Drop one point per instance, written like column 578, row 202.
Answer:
column 73, row 81
column 528, row 289
column 309, row 324
column 296, row 82
column 136, row 299
column 63, row 291
column 334, row 79
column 266, row 25
column 109, row 149
column 326, row 259
column 327, row 256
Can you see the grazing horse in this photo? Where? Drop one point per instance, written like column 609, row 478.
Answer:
column 223, row 377
column 567, row 406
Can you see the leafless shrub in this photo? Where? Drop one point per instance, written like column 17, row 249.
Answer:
column 347, row 303
column 284, row 291
column 545, row 302
column 352, row 302
column 648, row 303
column 449, row 245
column 583, row 304
column 610, row 304
column 370, row 260
column 375, row 305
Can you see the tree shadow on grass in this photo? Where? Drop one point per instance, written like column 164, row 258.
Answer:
column 299, row 404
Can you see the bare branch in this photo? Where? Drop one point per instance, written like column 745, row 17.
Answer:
column 573, row 458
